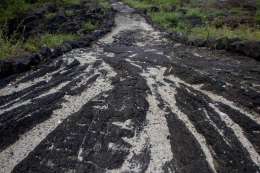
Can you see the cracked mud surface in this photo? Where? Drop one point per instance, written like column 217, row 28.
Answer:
column 133, row 102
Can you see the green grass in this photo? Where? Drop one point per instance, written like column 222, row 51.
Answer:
column 147, row 4
column 166, row 19
column 139, row 4
column 71, row 2
column 47, row 40
column 104, row 4
column 90, row 26
column 13, row 7
column 50, row 15
column 243, row 33
column 195, row 12
column 69, row 13
column 174, row 20
column 11, row 47
column 7, row 47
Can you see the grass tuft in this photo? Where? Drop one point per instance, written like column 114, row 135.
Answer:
column 11, row 48
column 90, row 26
column 214, row 20
column 48, row 40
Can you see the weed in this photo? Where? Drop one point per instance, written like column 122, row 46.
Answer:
column 244, row 33
column 104, row 4
column 90, row 26
column 48, row 40
column 166, row 19
column 11, row 47
column 50, row 15
column 8, row 47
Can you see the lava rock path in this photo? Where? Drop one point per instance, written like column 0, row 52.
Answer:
column 133, row 102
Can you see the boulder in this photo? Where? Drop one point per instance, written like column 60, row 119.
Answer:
column 22, row 64
column 35, row 59
column 253, row 49
column 222, row 43
column 78, row 44
column 179, row 37
column 211, row 43
column 70, row 27
column 66, row 47
column 6, row 68
column 57, row 52
column 198, row 42
column 45, row 52
column 248, row 48
column 59, row 18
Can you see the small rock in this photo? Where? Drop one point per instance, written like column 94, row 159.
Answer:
column 45, row 52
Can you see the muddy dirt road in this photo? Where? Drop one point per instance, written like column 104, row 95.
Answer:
column 133, row 102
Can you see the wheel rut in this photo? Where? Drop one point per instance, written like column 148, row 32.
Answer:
column 130, row 103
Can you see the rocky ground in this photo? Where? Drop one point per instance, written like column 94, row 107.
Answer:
column 133, row 102
column 218, row 24
column 49, row 31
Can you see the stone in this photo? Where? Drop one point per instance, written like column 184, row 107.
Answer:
column 35, row 59
column 222, row 43
column 78, row 44
column 45, row 52
column 65, row 47
column 248, row 48
column 6, row 68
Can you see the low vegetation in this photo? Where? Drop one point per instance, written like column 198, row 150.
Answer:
column 90, row 26
column 9, row 9
column 49, row 40
column 14, row 45
column 205, row 19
